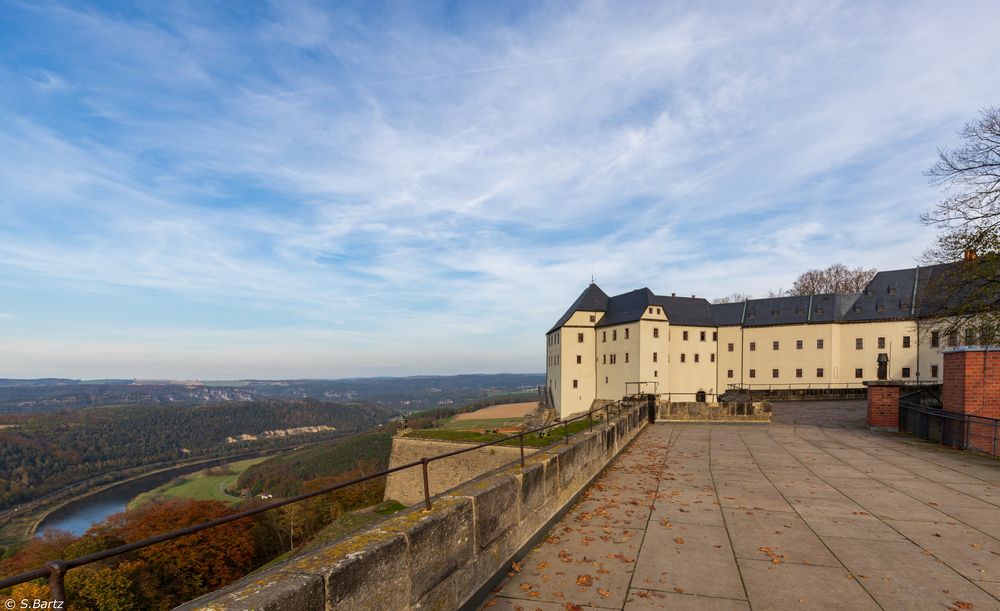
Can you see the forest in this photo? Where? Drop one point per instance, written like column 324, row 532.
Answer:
column 42, row 453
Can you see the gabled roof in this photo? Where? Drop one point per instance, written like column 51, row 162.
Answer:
column 627, row 307
column 693, row 311
column 592, row 299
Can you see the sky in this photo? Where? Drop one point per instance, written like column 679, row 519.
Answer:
column 223, row 190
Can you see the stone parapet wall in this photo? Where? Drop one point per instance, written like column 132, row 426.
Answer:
column 407, row 486
column 439, row 559
column 883, row 405
column 693, row 411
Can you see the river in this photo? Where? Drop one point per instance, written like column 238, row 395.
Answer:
column 79, row 515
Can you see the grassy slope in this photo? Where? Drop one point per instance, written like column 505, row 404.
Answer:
column 532, row 440
column 199, row 486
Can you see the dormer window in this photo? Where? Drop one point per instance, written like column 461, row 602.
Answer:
column 819, row 311
column 593, row 318
column 857, row 309
column 799, row 310
column 659, row 311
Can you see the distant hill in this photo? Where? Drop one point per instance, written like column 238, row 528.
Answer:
column 401, row 394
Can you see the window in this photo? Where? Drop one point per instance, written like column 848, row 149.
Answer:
column 753, row 373
column 730, row 347
column 934, row 371
column 650, row 310
column 819, row 310
column 683, row 358
column 605, row 379
column 604, row 336
column 953, row 338
column 654, row 357
column 711, row 357
column 656, row 373
column 701, row 335
column 592, row 318
column 819, row 344
column 729, row 373
column 575, row 384
column 715, row 336
column 626, row 357
column 798, row 344
column 658, row 311
column 798, row 373
column 626, row 333
column 969, row 337
column 753, row 346
column 696, row 357
column 906, row 341
column 906, row 372
column 614, row 335
column 685, row 336
column 612, row 359
column 859, row 373
column 656, row 332
column 579, row 359
column 604, row 359
column 859, row 344
column 774, row 373
column 579, row 337
column 774, row 345
column 881, row 343
column 819, row 372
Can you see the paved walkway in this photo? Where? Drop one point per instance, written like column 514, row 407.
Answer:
column 811, row 511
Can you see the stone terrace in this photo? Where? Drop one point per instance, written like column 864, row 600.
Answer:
column 811, row 511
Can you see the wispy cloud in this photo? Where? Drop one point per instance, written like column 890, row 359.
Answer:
column 449, row 178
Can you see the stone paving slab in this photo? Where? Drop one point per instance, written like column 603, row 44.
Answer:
column 811, row 511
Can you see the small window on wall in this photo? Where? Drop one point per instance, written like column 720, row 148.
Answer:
column 656, row 373
column 579, row 359
column 711, row 357
column 604, row 359
column 819, row 372
column 683, row 357
column 859, row 343
column 656, row 332
column 613, row 359
column 798, row 344
column 774, row 373
column 626, row 333
column 906, row 341
column 730, row 347
column 715, row 336
column 701, row 335
column 655, row 356
column 614, row 335
column 881, row 343
column 605, row 379
column 697, row 357
column 859, row 373
column 626, row 357
column 906, row 372
column 685, row 338
column 753, row 373
column 934, row 371
column 753, row 346
column 579, row 337
column 774, row 345
column 729, row 373
column 970, row 336
column 819, row 344
column 604, row 336
column 798, row 373
column 935, row 339
column 575, row 384
column 592, row 318
column 953, row 338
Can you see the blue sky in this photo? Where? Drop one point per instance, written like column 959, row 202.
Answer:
column 295, row 189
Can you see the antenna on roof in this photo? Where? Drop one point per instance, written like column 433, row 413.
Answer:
column 593, row 278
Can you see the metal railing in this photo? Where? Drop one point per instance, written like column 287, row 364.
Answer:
column 55, row 570
column 964, row 431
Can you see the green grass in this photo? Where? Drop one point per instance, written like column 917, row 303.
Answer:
column 387, row 508
column 482, row 423
column 199, row 486
column 533, row 440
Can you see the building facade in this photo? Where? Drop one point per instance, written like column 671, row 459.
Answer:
column 604, row 348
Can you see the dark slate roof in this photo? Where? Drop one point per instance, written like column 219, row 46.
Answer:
column 693, row 311
column 727, row 313
column 627, row 307
column 888, row 296
column 592, row 299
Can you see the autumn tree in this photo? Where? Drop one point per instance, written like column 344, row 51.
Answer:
column 733, row 298
column 837, row 278
column 967, row 296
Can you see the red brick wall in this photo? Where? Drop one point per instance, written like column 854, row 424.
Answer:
column 883, row 407
column 971, row 385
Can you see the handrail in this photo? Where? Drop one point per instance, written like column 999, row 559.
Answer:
column 56, row 570
column 942, row 413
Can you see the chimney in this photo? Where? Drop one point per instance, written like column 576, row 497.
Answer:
column 692, row 296
column 970, row 254
column 673, row 294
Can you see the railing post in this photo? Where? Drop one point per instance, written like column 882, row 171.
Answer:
column 590, row 420
column 57, row 570
column 427, row 486
column 566, row 432
column 520, row 437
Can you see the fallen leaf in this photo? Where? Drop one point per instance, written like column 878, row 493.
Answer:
column 679, row 540
column 542, row 566
column 604, row 593
column 961, row 604
column 516, row 567
column 491, row 602
column 585, row 580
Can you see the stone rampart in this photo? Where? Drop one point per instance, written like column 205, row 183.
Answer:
column 694, row 411
column 407, row 486
column 448, row 556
